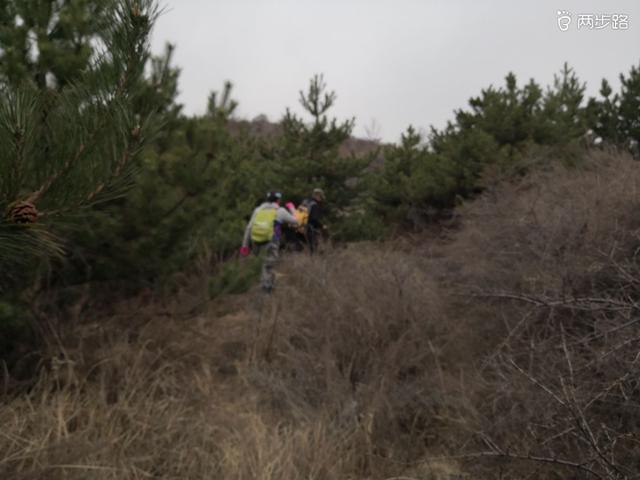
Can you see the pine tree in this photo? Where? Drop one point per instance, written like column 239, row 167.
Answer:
column 563, row 109
column 504, row 113
column 629, row 110
column 603, row 115
column 490, row 140
column 390, row 186
column 308, row 153
column 194, row 187
column 49, row 43
column 221, row 107
column 615, row 119
column 160, row 87
column 70, row 144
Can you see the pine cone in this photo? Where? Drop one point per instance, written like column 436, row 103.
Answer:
column 22, row 212
column 135, row 132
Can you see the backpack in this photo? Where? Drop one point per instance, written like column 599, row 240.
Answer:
column 302, row 214
column 262, row 227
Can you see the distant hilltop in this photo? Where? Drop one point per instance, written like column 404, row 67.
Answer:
column 261, row 126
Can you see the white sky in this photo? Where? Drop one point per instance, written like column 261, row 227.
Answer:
column 392, row 62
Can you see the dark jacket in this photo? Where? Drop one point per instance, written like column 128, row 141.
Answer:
column 315, row 213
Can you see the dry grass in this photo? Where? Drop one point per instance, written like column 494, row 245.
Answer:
column 551, row 287
column 510, row 352
column 326, row 379
column 357, row 339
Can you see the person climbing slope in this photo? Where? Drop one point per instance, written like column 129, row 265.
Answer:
column 309, row 215
column 263, row 232
column 314, row 225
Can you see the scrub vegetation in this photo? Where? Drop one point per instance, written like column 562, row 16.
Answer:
column 471, row 314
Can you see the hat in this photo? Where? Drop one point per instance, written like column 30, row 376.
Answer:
column 274, row 196
column 318, row 192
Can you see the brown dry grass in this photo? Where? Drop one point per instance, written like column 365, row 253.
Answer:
column 325, row 379
column 510, row 352
column 549, row 278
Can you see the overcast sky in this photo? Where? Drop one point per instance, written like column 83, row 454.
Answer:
column 391, row 62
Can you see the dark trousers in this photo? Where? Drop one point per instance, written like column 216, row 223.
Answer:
column 296, row 241
column 312, row 239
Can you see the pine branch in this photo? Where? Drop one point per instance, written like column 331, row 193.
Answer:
column 120, row 166
column 68, row 145
column 133, row 57
column 18, row 159
column 37, row 195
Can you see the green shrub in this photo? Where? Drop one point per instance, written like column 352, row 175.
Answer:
column 236, row 276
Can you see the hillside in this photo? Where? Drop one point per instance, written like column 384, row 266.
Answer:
column 471, row 313
column 504, row 349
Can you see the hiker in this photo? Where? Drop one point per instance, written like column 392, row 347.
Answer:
column 264, row 231
column 314, row 225
column 294, row 237
column 308, row 214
